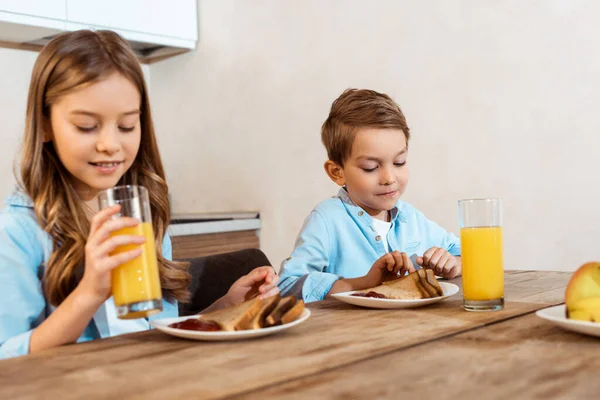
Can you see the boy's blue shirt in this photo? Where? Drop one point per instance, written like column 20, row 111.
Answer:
column 24, row 251
column 337, row 241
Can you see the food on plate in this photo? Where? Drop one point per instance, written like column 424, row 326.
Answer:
column 582, row 296
column 420, row 284
column 284, row 305
column 370, row 294
column 251, row 314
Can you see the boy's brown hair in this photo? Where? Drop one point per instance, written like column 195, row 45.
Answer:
column 355, row 109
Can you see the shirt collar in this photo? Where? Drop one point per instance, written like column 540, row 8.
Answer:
column 343, row 195
column 19, row 199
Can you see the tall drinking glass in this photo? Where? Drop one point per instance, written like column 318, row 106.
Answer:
column 481, row 247
column 136, row 283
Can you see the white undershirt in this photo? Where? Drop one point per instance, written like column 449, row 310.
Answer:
column 110, row 325
column 382, row 228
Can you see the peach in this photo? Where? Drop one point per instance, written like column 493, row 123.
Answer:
column 582, row 296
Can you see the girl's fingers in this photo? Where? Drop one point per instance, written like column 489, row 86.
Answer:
column 102, row 216
column 108, row 227
column 270, row 293
column 119, row 240
column 121, row 258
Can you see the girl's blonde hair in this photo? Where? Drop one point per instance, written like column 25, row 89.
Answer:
column 69, row 62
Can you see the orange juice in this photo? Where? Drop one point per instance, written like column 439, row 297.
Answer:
column 137, row 280
column 482, row 264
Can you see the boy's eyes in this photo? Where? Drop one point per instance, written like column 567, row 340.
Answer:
column 396, row 164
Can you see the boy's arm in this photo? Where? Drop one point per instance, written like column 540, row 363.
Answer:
column 389, row 266
column 309, row 261
column 438, row 241
column 434, row 235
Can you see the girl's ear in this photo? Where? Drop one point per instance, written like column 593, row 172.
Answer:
column 47, row 129
column 335, row 172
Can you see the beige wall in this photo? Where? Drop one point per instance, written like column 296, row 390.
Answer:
column 15, row 71
column 501, row 97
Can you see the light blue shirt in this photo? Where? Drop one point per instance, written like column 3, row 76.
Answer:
column 338, row 241
column 24, row 251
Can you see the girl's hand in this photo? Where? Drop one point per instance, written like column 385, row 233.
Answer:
column 441, row 262
column 96, row 279
column 261, row 281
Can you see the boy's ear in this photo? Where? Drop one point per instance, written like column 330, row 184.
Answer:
column 335, row 172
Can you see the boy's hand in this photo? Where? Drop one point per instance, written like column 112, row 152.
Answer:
column 441, row 262
column 389, row 267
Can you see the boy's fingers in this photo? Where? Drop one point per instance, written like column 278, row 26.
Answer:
column 447, row 262
column 441, row 263
column 384, row 261
column 427, row 256
column 435, row 257
column 420, row 261
column 398, row 261
column 407, row 266
column 452, row 273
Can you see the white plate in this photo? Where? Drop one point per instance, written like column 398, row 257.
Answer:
column 163, row 326
column 557, row 316
column 449, row 289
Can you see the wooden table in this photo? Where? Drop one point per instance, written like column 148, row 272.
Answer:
column 342, row 352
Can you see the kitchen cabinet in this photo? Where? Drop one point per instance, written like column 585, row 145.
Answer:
column 53, row 9
column 155, row 29
column 155, row 17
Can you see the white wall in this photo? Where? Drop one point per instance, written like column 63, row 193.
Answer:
column 501, row 97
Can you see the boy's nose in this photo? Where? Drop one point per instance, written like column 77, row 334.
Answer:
column 386, row 177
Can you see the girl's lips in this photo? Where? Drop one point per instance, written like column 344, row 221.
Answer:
column 106, row 168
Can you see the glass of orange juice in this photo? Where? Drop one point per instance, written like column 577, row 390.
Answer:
column 136, row 284
column 481, row 249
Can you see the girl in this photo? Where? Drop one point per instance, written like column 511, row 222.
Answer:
column 88, row 128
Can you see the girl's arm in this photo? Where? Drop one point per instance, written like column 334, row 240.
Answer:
column 71, row 317
column 67, row 322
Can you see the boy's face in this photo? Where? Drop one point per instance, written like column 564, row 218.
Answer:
column 376, row 173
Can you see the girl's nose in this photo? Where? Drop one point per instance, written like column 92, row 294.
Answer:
column 108, row 142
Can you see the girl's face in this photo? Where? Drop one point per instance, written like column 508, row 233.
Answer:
column 96, row 132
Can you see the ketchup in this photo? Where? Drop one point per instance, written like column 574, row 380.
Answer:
column 195, row 324
column 370, row 294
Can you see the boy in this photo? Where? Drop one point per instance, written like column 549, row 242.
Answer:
column 366, row 137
